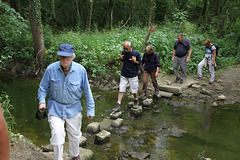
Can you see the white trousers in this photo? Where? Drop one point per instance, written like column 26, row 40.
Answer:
column 211, row 68
column 73, row 127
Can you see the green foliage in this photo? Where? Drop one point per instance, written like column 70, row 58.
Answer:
column 7, row 108
column 16, row 39
column 99, row 51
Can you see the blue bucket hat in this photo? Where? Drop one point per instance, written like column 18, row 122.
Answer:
column 66, row 50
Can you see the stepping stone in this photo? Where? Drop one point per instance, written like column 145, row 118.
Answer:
column 165, row 94
column 117, row 123
column 130, row 105
column 115, row 115
column 105, row 124
column 136, row 112
column 93, row 128
column 147, row 102
column 83, row 142
column 102, row 137
column 172, row 89
column 196, row 86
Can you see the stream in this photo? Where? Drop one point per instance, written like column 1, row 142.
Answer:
column 211, row 132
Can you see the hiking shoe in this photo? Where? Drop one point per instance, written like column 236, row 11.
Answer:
column 177, row 79
column 143, row 96
column 181, row 81
column 117, row 108
column 156, row 93
column 211, row 82
column 135, row 104
column 198, row 77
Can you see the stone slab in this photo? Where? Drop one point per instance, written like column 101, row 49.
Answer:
column 172, row 89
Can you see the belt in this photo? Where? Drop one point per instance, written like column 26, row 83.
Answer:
column 65, row 103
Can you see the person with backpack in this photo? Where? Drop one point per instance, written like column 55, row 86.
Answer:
column 179, row 58
column 210, row 57
column 131, row 60
column 151, row 67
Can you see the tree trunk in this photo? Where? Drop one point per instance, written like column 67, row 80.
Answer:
column 90, row 14
column 39, row 49
column 150, row 14
column 204, row 8
column 111, row 5
column 53, row 8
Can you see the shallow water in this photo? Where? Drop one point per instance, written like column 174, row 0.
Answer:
column 211, row 132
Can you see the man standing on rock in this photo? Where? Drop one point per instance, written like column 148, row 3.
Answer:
column 151, row 67
column 181, row 48
column 131, row 59
column 65, row 80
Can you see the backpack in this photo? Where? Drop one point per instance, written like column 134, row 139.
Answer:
column 216, row 49
column 216, row 46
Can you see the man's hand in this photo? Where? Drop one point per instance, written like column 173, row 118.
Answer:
column 134, row 59
column 41, row 107
column 173, row 58
column 90, row 117
column 121, row 57
column 188, row 59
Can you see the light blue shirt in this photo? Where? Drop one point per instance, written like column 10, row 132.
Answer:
column 209, row 51
column 65, row 92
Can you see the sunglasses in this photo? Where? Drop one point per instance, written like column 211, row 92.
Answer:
column 125, row 48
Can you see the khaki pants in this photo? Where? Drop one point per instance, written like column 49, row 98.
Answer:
column 145, row 80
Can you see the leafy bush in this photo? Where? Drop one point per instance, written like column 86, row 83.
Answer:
column 16, row 39
column 99, row 52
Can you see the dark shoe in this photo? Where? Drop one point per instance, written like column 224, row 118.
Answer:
column 198, row 77
column 77, row 158
column 177, row 79
column 211, row 82
column 156, row 93
column 181, row 81
column 135, row 105
column 143, row 96
column 117, row 108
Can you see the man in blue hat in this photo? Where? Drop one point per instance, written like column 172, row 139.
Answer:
column 65, row 80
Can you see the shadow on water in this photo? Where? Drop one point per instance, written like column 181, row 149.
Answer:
column 211, row 132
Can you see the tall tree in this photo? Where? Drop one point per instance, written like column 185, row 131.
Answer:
column 53, row 8
column 111, row 5
column 90, row 14
column 150, row 13
column 35, row 22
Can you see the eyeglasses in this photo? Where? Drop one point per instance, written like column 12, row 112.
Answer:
column 125, row 48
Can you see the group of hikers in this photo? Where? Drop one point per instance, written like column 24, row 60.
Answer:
column 65, row 80
column 131, row 60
